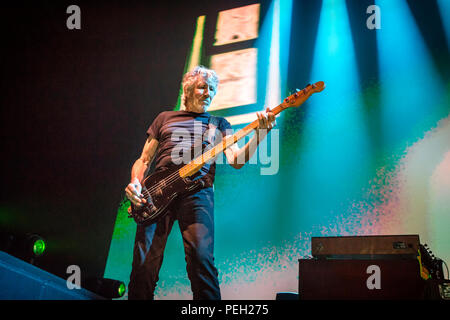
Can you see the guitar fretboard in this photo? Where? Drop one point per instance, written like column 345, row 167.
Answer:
column 196, row 164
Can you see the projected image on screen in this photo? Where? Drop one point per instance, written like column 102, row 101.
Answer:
column 238, row 24
column 237, row 72
column 236, row 69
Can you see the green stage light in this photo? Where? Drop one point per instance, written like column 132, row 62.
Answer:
column 107, row 288
column 121, row 290
column 27, row 246
column 32, row 246
column 39, row 247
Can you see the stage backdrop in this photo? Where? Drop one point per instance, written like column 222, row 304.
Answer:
column 369, row 155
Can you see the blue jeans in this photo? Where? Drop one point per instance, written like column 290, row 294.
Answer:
column 195, row 215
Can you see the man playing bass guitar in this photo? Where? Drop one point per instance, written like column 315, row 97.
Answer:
column 193, row 210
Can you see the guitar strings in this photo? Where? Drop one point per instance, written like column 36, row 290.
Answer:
column 173, row 177
column 167, row 181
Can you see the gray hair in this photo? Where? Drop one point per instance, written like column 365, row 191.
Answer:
column 191, row 77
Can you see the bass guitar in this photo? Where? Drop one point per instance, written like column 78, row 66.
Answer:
column 161, row 188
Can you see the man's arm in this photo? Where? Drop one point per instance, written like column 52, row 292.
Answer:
column 236, row 156
column 138, row 171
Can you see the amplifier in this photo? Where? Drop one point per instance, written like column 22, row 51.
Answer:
column 366, row 247
column 384, row 279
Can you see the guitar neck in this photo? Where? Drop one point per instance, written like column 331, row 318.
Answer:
column 196, row 164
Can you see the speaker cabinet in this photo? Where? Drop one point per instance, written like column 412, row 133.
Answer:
column 335, row 279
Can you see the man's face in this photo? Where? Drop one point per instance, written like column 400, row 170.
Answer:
column 202, row 95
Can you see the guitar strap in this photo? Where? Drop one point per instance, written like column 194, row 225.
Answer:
column 213, row 120
column 213, row 125
column 208, row 142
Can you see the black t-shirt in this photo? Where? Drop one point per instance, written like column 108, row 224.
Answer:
column 183, row 135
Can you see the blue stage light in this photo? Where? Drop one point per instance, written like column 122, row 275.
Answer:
column 410, row 86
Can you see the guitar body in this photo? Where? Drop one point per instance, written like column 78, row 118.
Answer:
column 160, row 189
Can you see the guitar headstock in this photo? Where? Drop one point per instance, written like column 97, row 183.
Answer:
column 300, row 96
